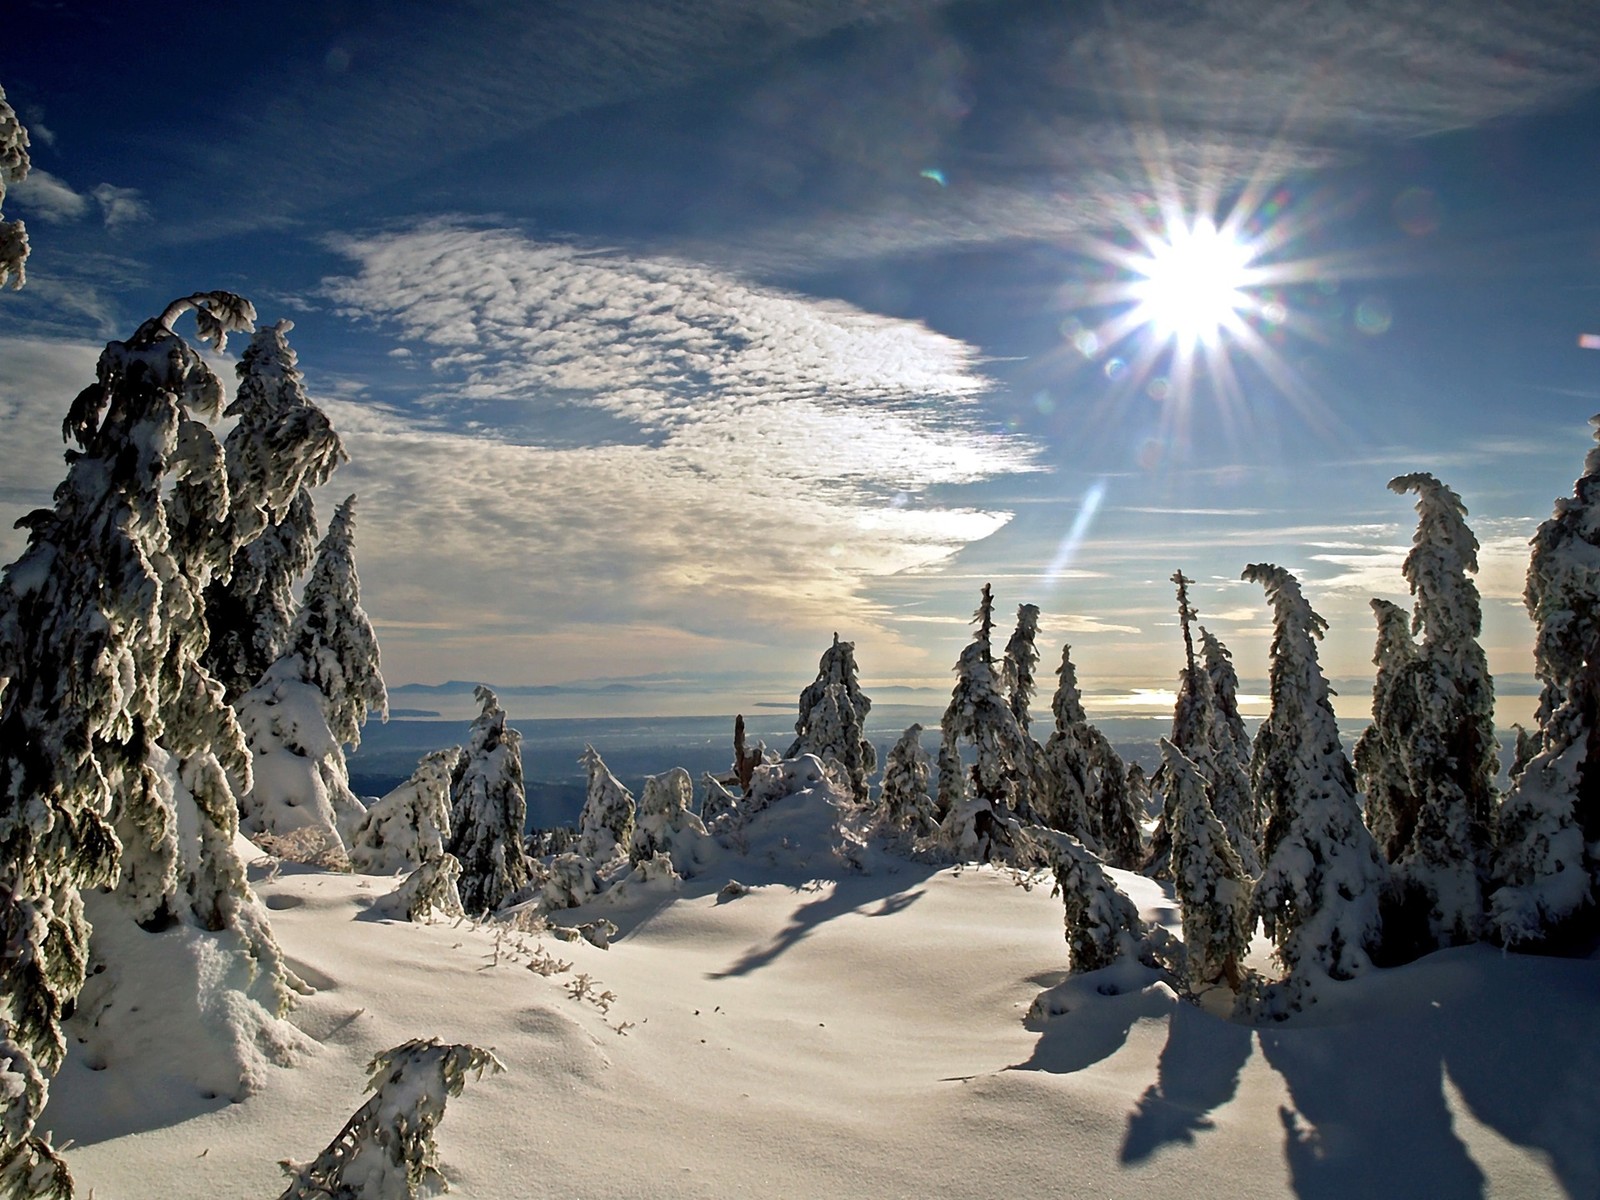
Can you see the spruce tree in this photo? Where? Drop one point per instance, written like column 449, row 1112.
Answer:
column 904, row 805
column 1232, row 797
column 982, row 824
column 1451, row 753
column 1066, row 767
column 112, row 736
column 1102, row 924
column 1318, row 893
column 1547, row 862
column 1022, row 657
column 313, row 700
column 667, row 825
column 281, row 446
column 410, row 825
column 1192, row 719
column 1121, row 838
column 386, row 1150
column 1380, row 753
column 14, row 166
column 605, row 825
column 488, row 811
column 1211, row 883
column 833, row 718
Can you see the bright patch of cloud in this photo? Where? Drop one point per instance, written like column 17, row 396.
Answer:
column 777, row 442
column 38, row 379
column 47, row 198
column 120, row 206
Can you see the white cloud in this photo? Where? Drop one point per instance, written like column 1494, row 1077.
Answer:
column 120, row 206
column 769, row 449
column 43, row 196
column 38, row 379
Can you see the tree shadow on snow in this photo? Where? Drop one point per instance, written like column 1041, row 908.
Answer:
column 1198, row 1073
column 1086, row 1018
column 866, row 895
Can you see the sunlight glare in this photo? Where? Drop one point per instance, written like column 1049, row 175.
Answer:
column 1193, row 282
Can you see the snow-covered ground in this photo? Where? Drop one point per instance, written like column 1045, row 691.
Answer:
column 865, row 1032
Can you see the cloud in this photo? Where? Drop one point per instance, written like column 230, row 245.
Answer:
column 765, row 454
column 120, row 206
column 38, row 379
column 45, row 197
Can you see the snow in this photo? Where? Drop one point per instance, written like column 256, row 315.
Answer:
column 863, row 1030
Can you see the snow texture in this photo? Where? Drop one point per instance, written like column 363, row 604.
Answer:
column 667, row 827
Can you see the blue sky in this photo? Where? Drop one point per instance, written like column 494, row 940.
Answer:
column 669, row 339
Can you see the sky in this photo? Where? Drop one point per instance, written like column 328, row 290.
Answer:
column 669, row 339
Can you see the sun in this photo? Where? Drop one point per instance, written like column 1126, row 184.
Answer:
column 1192, row 284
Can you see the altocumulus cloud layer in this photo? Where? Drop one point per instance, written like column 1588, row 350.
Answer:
column 768, row 454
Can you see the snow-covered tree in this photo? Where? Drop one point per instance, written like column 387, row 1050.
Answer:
column 1211, row 883
column 1547, row 860
column 488, row 810
column 1102, row 924
column 904, row 805
column 667, row 824
column 1066, row 768
column 982, row 822
column 833, row 718
column 605, row 826
column 312, row 701
column 1380, row 753
column 113, row 739
column 1225, row 691
column 1318, row 893
column 1450, row 749
column 14, row 165
column 411, row 824
column 1022, row 657
column 1192, row 719
column 386, row 1151
column 429, row 891
column 1118, row 809
column 1233, row 799
column 281, row 446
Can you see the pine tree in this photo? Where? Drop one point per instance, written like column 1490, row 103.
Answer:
column 1022, row 656
column 281, row 446
column 313, row 700
column 1066, row 766
column 112, row 736
column 410, row 825
column 1380, row 753
column 983, row 825
column 1450, row 750
column 1192, row 718
column 386, row 1150
column 1102, row 924
column 605, row 826
column 833, row 718
column 14, row 166
column 1547, row 861
column 1210, row 880
column 488, row 811
column 668, row 826
column 1232, row 797
column 1318, row 894
column 1121, row 839
column 904, row 805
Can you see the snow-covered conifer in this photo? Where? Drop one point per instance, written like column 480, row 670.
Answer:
column 833, row 718
column 112, row 736
column 281, row 446
column 1233, row 799
column 904, row 805
column 1380, row 753
column 1066, row 772
column 1211, row 883
column 1451, row 753
column 980, row 825
column 667, row 824
column 1116, row 810
column 1318, row 893
column 1547, row 860
column 716, row 800
column 386, row 1151
column 488, row 810
column 313, row 700
column 605, row 826
column 410, row 825
column 1102, row 924
column 1022, row 657
column 1193, row 716
column 14, row 165
column 429, row 891
column 1225, row 691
